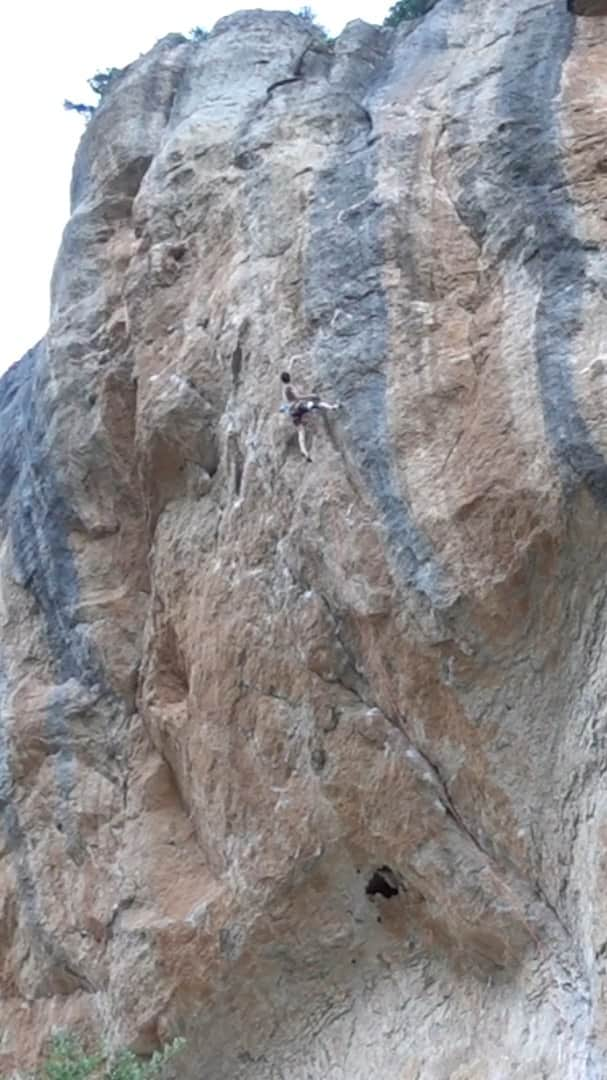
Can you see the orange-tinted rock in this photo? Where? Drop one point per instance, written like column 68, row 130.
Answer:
column 240, row 691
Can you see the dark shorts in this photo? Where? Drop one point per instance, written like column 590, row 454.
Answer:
column 299, row 412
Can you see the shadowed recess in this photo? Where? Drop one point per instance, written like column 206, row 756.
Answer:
column 382, row 883
column 587, row 7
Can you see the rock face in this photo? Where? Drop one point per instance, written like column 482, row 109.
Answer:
column 306, row 762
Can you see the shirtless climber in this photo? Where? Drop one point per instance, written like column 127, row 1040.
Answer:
column 300, row 407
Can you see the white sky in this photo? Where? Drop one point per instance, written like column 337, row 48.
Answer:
column 47, row 52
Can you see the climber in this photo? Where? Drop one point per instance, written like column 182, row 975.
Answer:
column 299, row 407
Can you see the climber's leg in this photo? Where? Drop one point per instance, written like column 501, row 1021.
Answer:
column 325, row 405
column 301, row 438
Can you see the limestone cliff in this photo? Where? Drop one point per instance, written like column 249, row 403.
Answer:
column 306, row 762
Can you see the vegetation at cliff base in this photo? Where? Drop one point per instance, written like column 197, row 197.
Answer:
column 69, row 1060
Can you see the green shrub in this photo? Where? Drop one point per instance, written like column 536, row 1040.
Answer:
column 100, row 82
column 198, row 35
column 127, row 1066
column 407, row 9
column 68, row 1060
column 79, row 107
column 308, row 15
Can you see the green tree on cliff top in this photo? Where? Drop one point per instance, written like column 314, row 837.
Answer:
column 407, row 9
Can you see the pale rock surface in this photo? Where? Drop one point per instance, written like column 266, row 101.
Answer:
column 234, row 685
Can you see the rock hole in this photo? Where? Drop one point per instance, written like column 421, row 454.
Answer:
column 178, row 252
column 382, row 883
column 247, row 160
column 318, row 759
column 212, row 463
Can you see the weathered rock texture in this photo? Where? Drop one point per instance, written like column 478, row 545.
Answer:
column 234, row 685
